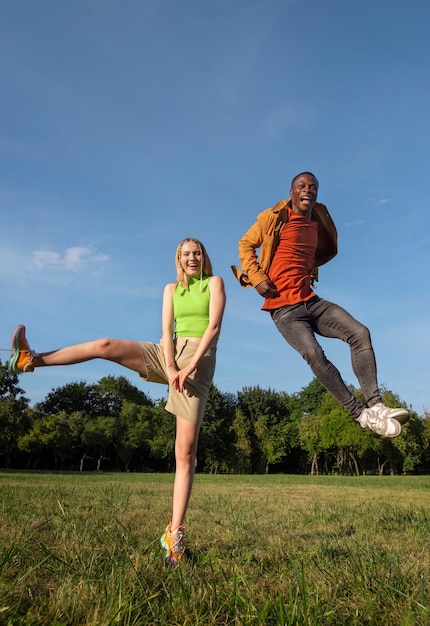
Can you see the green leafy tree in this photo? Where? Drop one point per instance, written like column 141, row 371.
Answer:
column 425, row 456
column 265, row 409
column 310, row 438
column 216, row 451
column 78, row 396
column 115, row 389
column 243, row 433
column 79, row 453
column 15, row 414
column 389, row 398
column 411, row 444
column 309, row 399
column 9, row 385
column 272, row 436
column 350, row 446
column 99, row 435
column 135, row 431
column 338, row 435
column 162, row 443
column 49, row 436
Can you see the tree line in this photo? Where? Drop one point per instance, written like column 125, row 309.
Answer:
column 114, row 426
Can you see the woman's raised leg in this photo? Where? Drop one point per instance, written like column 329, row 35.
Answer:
column 121, row 351
column 124, row 352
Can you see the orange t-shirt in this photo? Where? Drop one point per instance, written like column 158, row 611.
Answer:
column 293, row 261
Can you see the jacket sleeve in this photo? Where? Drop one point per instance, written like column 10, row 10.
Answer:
column 327, row 238
column 251, row 274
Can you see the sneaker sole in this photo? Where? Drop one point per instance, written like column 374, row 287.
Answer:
column 397, row 432
column 13, row 369
column 402, row 416
column 11, row 366
column 402, row 419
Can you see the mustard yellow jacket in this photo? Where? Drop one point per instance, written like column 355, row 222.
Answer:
column 265, row 233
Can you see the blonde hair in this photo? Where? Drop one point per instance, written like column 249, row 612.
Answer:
column 205, row 263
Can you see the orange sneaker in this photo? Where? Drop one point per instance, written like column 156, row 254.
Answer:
column 22, row 356
column 173, row 542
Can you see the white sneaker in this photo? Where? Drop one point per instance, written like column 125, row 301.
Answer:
column 400, row 415
column 381, row 425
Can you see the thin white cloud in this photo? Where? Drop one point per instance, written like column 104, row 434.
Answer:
column 74, row 259
column 288, row 116
column 380, row 200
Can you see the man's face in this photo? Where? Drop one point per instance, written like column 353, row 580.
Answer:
column 304, row 194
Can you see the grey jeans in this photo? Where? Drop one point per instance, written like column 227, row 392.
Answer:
column 299, row 323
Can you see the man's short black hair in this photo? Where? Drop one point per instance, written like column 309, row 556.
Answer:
column 303, row 174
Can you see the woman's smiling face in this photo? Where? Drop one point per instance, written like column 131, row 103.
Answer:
column 191, row 258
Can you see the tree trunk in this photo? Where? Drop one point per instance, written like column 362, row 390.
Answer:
column 314, row 466
column 381, row 467
column 354, row 460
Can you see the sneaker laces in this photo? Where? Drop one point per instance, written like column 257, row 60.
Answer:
column 27, row 349
column 177, row 537
column 374, row 418
column 379, row 423
column 172, row 542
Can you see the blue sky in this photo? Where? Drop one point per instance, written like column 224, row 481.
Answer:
column 127, row 126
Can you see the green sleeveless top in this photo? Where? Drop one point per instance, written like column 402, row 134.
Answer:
column 191, row 307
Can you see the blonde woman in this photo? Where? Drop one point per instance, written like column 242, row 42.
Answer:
column 192, row 312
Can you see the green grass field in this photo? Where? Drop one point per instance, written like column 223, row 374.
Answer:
column 263, row 550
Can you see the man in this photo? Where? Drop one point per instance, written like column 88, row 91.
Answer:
column 296, row 237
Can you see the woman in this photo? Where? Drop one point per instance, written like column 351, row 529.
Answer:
column 192, row 312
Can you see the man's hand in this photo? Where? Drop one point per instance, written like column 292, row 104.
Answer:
column 267, row 289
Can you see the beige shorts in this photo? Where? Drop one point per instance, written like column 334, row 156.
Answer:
column 191, row 403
